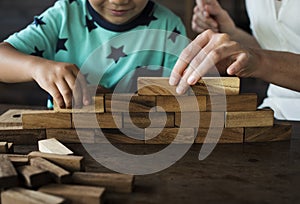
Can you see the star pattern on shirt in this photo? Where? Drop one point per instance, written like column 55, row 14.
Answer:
column 38, row 21
column 148, row 20
column 37, row 52
column 90, row 24
column 116, row 54
column 174, row 35
column 61, row 44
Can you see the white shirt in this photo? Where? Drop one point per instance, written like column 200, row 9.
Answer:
column 277, row 27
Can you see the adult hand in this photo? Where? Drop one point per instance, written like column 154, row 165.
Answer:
column 209, row 52
column 64, row 82
column 208, row 14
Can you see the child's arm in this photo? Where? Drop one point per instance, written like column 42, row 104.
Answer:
column 57, row 78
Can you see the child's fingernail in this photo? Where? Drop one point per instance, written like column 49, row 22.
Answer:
column 192, row 80
column 180, row 90
column 173, row 81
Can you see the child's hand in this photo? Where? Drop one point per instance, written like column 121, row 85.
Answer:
column 64, row 82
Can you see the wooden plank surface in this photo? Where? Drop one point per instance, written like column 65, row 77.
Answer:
column 144, row 120
column 25, row 196
column 18, row 159
column 69, row 162
column 167, row 135
column 34, row 177
column 206, row 119
column 116, row 136
column 102, row 120
column 3, row 147
column 70, row 136
column 8, row 174
column 136, row 103
column 112, row 182
column 76, row 194
column 12, row 119
column 22, row 137
column 45, row 119
column 260, row 118
column 53, row 146
column 227, row 135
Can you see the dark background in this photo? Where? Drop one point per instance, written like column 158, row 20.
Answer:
column 16, row 14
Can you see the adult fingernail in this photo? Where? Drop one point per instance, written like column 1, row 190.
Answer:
column 191, row 80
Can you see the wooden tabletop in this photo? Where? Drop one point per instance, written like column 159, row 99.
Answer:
column 233, row 173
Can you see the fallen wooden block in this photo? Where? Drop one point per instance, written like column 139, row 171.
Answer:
column 97, row 106
column 205, row 120
column 46, row 119
column 113, row 182
column 69, row 162
column 8, row 174
column 121, row 136
column 69, row 136
column 278, row 132
column 75, row 193
column 99, row 120
column 181, row 103
column 144, row 120
column 167, row 135
column 3, row 147
column 127, row 103
column 34, row 177
column 53, row 146
column 18, row 159
column 242, row 102
column 260, row 118
column 227, row 135
column 59, row 174
column 22, row 137
column 216, row 86
column 25, row 196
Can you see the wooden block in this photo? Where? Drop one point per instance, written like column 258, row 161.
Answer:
column 101, row 120
column 112, row 182
column 46, row 119
column 180, row 103
column 69, row 136
column 3, row 147
column 121, row 136
column 8, row 174
column 76, row 194
column 167, row 135
column 59, row 174
column 144, row 120
column 53, row 146
column 217, row 86
column 22, row 137
column 278, row 132
column 12, row 119
column 34, row 177
column 228, row 135
column 260, row 118
column 10, row 147
column 69, row 162
column 136, row 103
column 18, row 159
column 155, row 86
column 97, row 106
column 243, row 102
column 25, row 196
column 206, row 119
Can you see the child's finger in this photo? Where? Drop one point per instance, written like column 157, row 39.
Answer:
column 66, row 92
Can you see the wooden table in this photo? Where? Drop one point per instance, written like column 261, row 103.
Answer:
column 233, row 173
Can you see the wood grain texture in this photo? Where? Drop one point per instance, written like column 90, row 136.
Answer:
column 217, row 86
column 34, row 177
column 97, row 106
column 155, row 86
column 168, row 135
column 100, row 120
column 22, row 137
column 18, row 159
column 76, row 194
column 227, row 135
column 242, row 102
column 69, row 162
column 53, row 146
column 26, row 196
column 45, row 119
column 3, row 147
column 181, row 103
column 206, row 119
column 121, row 136
column 144, row 120
column 112, row 182
column 8, row 174
column 59, row 174
column 260, row 118
column 278, row 132
column 120, row 102
column 71, row 136
column 12, row 119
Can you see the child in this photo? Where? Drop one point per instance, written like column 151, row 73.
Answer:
column 87, row 35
